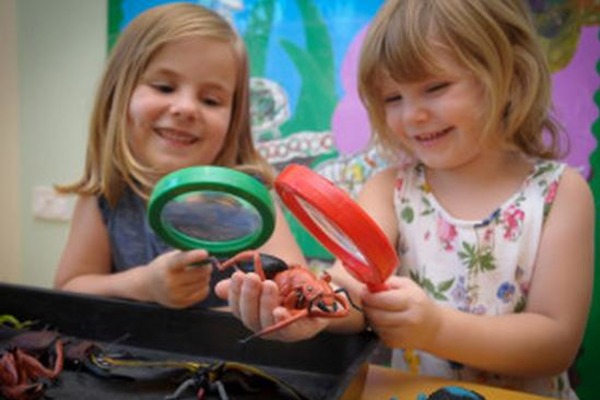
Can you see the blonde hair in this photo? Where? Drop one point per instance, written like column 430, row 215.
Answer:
column 495, row 40
column 110, row 164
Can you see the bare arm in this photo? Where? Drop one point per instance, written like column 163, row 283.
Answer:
column 85, row 266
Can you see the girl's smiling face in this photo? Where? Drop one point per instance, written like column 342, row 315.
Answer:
column 180, row 110
column 439, row 119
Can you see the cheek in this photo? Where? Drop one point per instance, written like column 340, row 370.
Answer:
column 137, row 108
column 393, row 120
column 144, row 106
column 136, row 115
column 226, row 120
column 220, row 123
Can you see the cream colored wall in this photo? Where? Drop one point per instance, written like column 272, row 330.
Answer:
column 10, row 230
column 61, row 48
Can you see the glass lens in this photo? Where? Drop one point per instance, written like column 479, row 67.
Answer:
column 331, row 230
column 211, row 216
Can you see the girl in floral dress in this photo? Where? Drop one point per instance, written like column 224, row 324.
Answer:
column 495, row 236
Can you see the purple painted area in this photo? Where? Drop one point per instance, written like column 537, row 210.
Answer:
column 574, row 89
column 350, row 123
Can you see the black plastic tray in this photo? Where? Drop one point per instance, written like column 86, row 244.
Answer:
column 320, row 368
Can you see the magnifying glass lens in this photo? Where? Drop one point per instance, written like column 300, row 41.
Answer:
column 211, row 216
column 334, row 233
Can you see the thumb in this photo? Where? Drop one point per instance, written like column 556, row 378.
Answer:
column 184, row 259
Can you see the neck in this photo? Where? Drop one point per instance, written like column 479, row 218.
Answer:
column 477, row 188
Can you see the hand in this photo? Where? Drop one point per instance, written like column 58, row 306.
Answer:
column 256, row 304
column 174, row 281
column 403, row 316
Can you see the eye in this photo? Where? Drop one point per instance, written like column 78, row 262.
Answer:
column 392, row 98
column 163, row 87
column 211, row 101
column 437, row 87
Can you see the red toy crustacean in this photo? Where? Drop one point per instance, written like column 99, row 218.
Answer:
column 22, row 374
column 301, row 291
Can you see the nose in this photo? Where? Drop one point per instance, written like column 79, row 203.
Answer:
column 184, row 106
column 414, row 111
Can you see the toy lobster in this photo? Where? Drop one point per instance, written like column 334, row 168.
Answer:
column 22, row 375
column 301, row 291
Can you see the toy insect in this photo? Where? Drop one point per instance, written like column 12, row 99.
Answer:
column 227, row 379
column 301, row 291
column 22, row 375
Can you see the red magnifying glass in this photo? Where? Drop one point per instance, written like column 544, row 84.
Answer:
column 339, row 224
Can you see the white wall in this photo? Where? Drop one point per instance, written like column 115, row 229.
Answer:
column 60, row 51
column 10, row 228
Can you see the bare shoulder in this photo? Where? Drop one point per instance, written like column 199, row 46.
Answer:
column 86, row 201
column 380, row 183
column 571, row 218
column 87, row 250
column 87, row 217
column 574, row 190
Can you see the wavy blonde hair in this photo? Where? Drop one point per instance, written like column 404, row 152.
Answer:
column 495, row 40
column 110, row 164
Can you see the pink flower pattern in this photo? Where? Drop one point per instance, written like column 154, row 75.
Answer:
column 446, row 233
column 512, row 219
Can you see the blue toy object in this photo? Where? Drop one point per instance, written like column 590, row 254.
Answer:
column 452, row 393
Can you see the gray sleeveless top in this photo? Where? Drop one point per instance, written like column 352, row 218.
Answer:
column 134, row 243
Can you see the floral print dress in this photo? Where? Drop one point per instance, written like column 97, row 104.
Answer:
column 481, row 267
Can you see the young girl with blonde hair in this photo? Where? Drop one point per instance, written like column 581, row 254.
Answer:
column 174, row 94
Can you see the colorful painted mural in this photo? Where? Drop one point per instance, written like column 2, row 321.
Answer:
column 306, row 109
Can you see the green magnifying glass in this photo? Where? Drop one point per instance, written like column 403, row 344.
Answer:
column 215, row 208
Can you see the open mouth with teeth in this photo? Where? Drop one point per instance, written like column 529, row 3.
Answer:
column 432, row 136
column 179, row 137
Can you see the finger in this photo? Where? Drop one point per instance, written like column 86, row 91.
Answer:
column 394, row 299
column 222, row 289
column 189, row 296
column 269, row 301
column 387, row 303
column 379, row 318
column 188, row 278
column 189, row 283
column 250, row 301
column 184, row 259
column 301, row 329
column 234, row 294
column 195, row 275
column 399, row 282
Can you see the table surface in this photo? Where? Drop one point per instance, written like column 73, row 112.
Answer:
column 383, row 383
